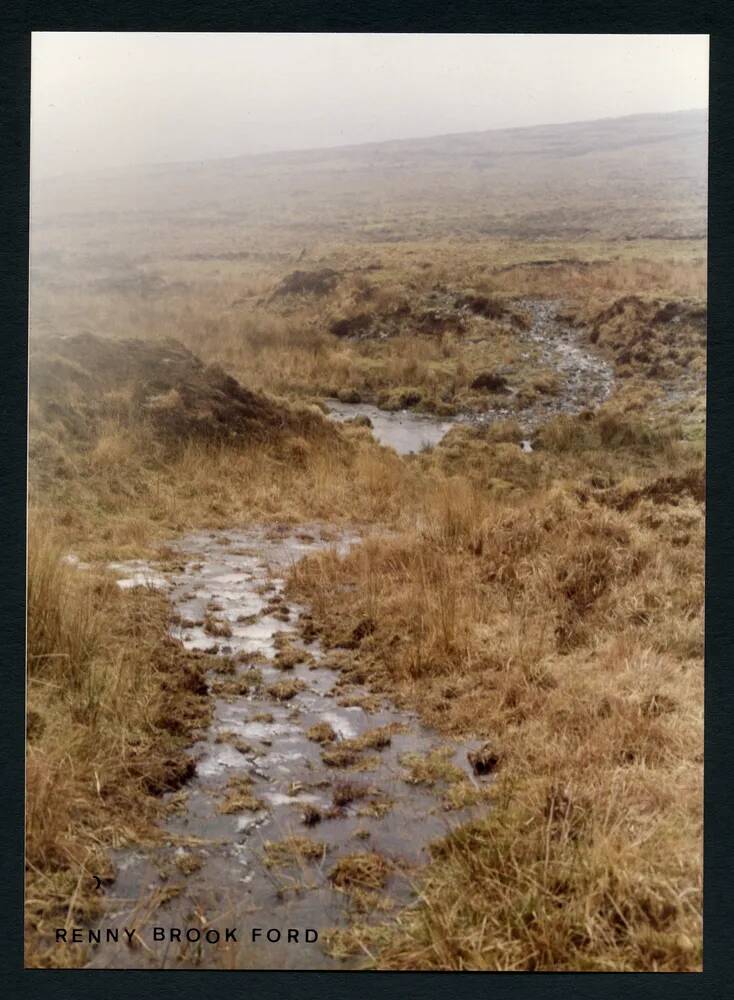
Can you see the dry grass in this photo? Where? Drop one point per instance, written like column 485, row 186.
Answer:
column 321, row 732
column 553, row 880
column 348, row 753
column 434, row 344
column 237, row 796
column 285, row 690
column 565, row 622
column 111, row 705
column 293, row 851
column 360, row 871
column 188, row 863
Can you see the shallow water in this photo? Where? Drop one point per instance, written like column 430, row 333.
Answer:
column 586, row 381
column 402, row 430
column 235, row 575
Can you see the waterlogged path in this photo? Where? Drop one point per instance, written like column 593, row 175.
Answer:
column 586, row 380
column 258, row 775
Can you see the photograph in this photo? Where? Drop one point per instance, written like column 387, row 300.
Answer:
column 366, row 501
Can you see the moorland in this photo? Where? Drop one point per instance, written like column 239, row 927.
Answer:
column 192, row 324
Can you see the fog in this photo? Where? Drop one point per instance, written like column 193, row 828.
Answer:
column 103, row 100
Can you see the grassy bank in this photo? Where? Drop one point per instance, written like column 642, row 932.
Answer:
column 564, row 623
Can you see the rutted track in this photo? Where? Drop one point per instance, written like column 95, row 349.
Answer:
column 211, row 870
column 586, row 377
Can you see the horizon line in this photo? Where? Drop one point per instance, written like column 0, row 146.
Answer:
column 292, row 151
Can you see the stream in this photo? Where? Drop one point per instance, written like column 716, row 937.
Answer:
column 586, row 382
column 212, row 870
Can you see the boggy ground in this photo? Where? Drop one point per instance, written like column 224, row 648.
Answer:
column 312, row 799
column 550, row 602
column 435, row 326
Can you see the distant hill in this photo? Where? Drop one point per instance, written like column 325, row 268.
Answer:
column 632, row 177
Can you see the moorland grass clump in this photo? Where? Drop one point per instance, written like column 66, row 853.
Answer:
column 113, row 704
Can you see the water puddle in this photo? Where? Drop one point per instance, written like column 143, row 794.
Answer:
column 402, row 430
column 260, row 779
column 138, row 573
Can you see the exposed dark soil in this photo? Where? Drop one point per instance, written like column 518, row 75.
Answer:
column 440, row 311
column 78, row 382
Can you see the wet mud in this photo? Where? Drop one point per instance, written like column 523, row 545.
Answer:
column 294, row 779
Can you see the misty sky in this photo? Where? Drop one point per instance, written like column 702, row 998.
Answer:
column 113, row 99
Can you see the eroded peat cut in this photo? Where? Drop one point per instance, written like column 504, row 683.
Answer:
column 305, row 807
